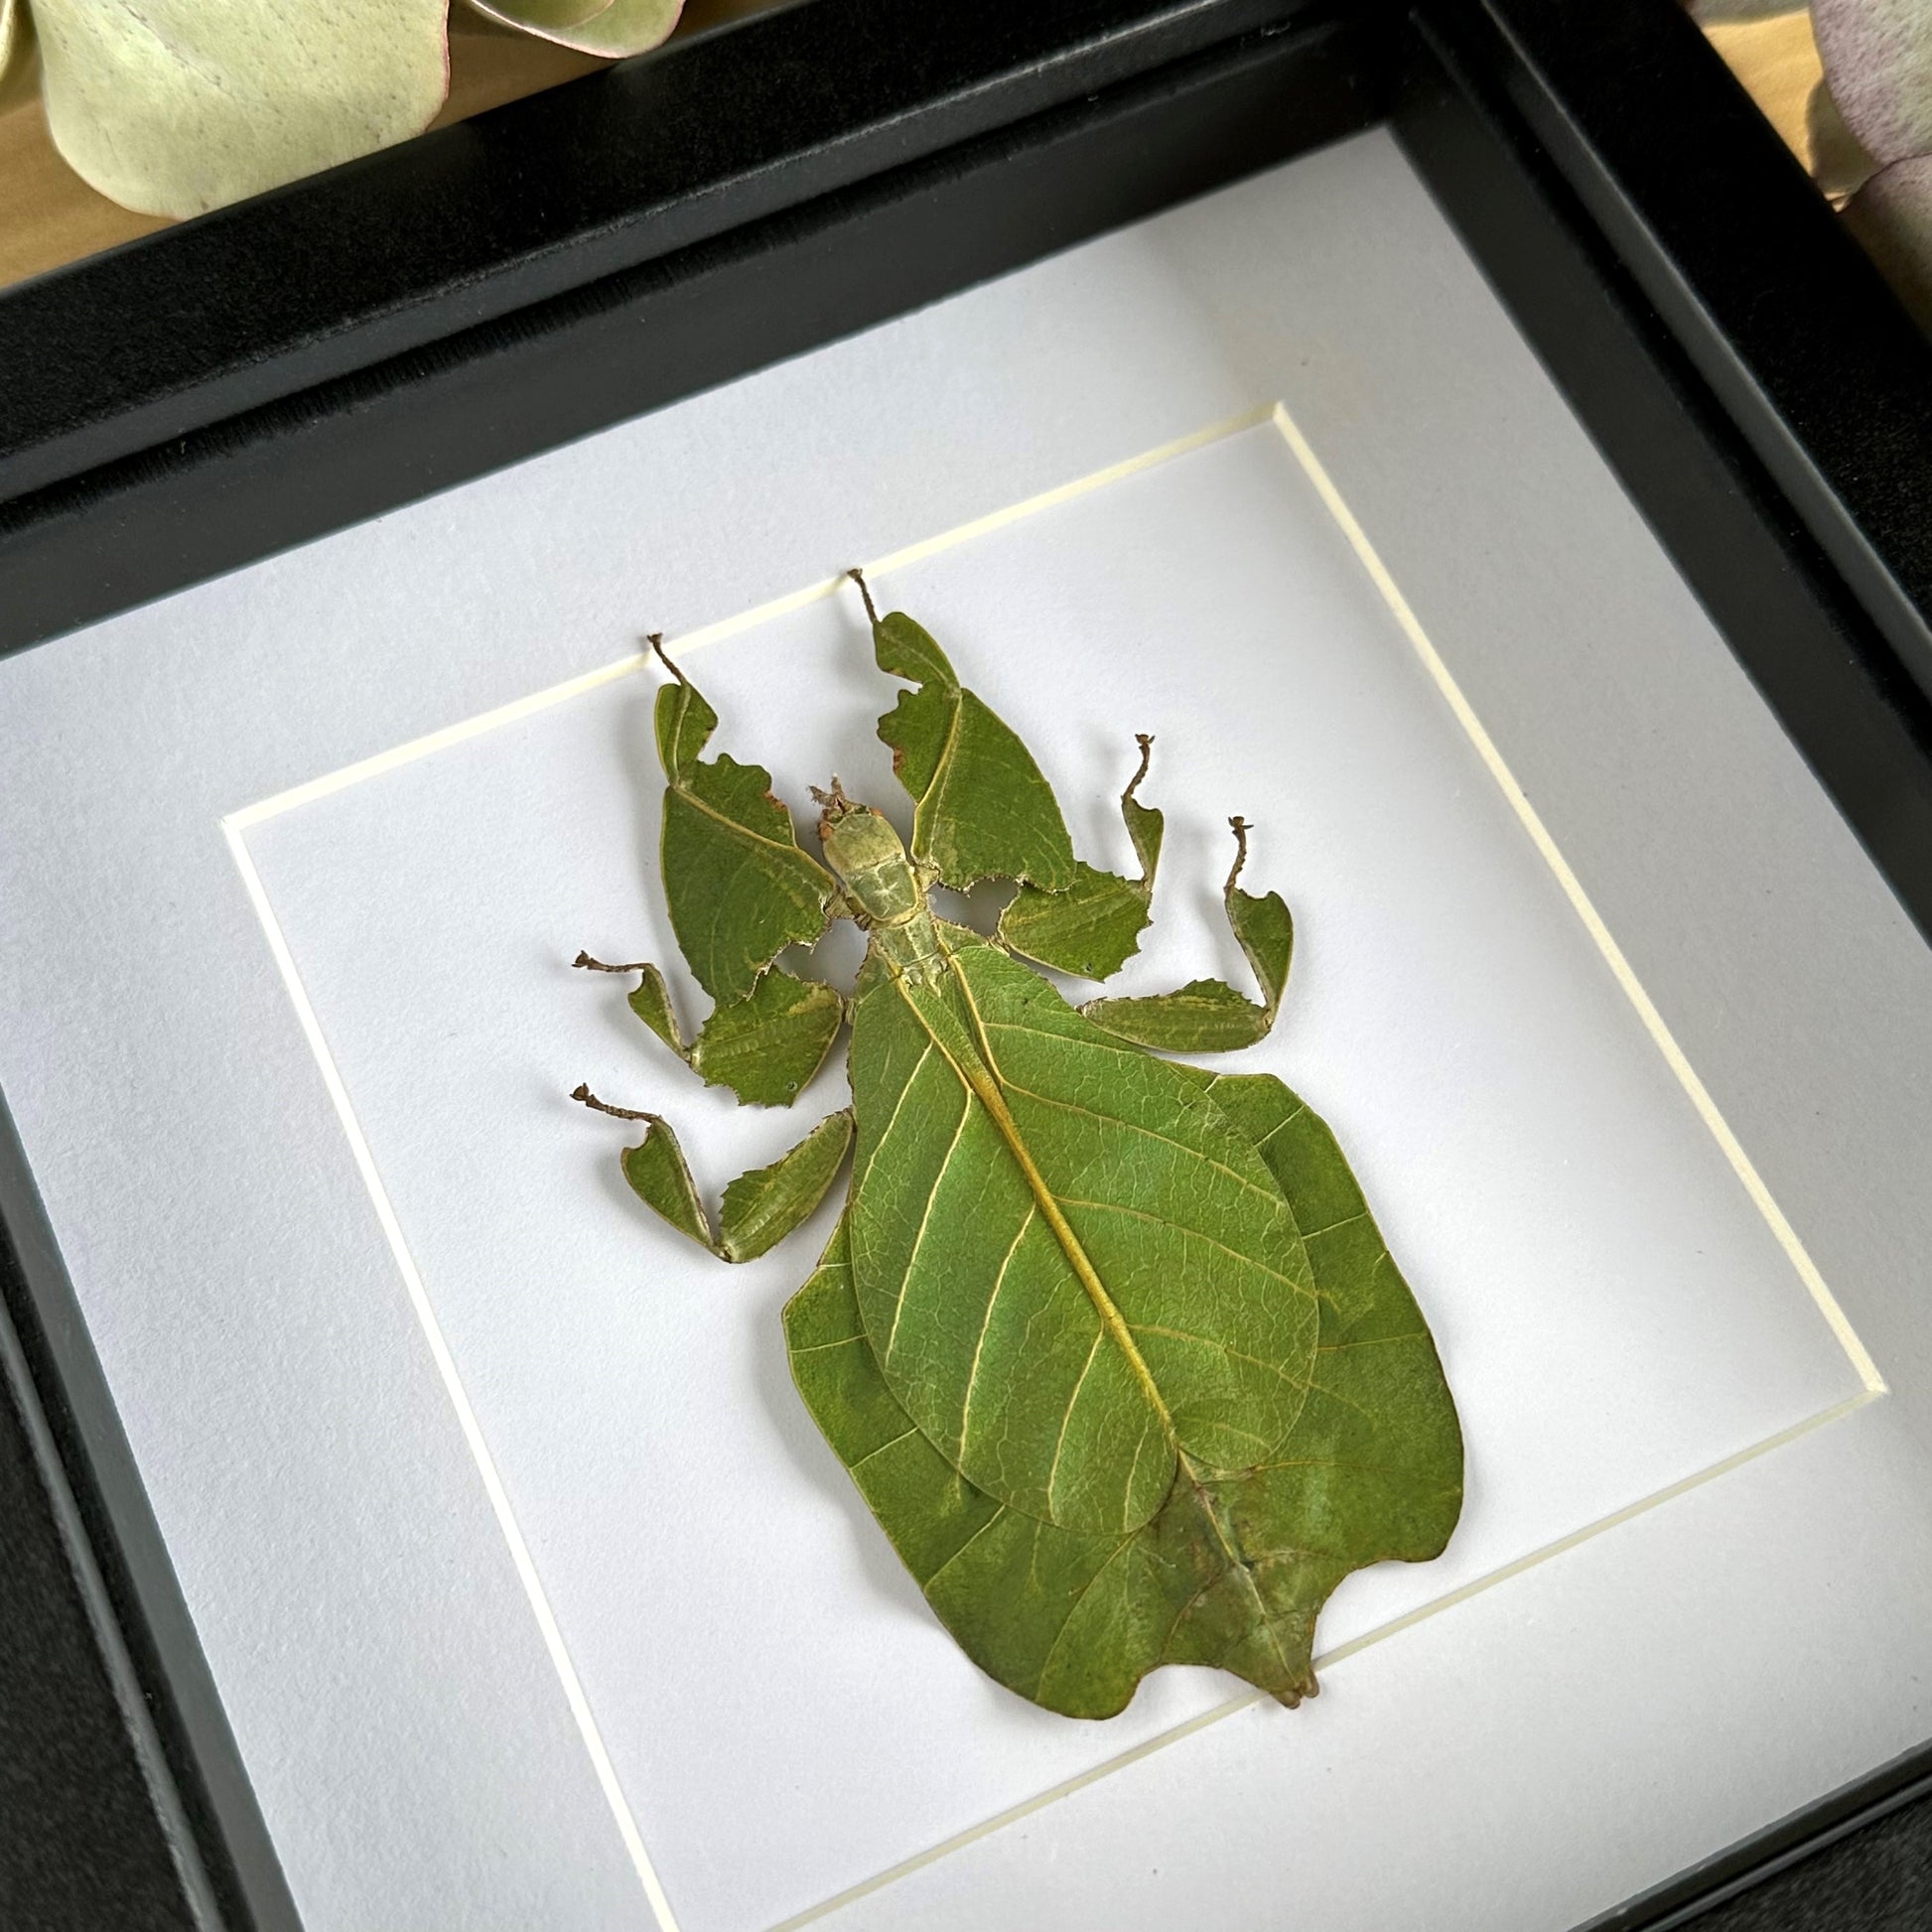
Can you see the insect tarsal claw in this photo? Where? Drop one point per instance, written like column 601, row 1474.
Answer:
column 655, row 640
column 581, row 1093
column 857, row 576
column 1240, row 827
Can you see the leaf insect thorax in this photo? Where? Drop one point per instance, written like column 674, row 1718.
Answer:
column 882, row 889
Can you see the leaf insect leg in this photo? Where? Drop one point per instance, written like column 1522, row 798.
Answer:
column 1093, row 926
column 765, row 1047
column 1209, row 1016
column 759, row 1208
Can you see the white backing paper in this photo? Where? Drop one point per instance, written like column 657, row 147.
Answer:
column 1615, row 1313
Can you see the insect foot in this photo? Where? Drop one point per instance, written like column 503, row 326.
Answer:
column 1109, row 1343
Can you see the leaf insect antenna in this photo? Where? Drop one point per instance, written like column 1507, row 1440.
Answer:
column 1240, row 828
column 588, row 1099
column 857, row 576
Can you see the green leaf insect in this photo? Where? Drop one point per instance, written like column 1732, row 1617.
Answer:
column 1109, row 1345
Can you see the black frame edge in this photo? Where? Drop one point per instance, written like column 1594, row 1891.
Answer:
column 214, row 1843
column 1690, row 456
column 361, row 444
column 1780, row 1848
column 517, row 205
column 1722, row 229
column 1805, row 634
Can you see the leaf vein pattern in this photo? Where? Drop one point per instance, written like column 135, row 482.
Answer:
column 997, row 1516
column 1124, row 1049
column 1220, row 1349
column 1066, row 1421
column 743, row 831
column 1085, row 1591
column 1282, row 1126
column 985, row 1322
column 1347, row 1221
column 926, row 1221
column 1147, row 1133
column 1192, row 1234
column 1369, row 1341
column 899, row 1105
column 883, row 1446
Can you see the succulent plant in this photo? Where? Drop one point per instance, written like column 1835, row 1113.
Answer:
column 177, row 106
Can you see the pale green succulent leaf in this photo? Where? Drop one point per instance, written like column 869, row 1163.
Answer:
column 178, row 106
column 609, row 28
column 542, row 17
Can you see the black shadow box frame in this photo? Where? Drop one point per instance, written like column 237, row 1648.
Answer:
column 191, row 402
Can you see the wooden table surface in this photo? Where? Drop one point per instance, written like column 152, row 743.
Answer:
column 49, row 216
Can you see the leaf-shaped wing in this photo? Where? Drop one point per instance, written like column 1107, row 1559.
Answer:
column 1374, row 1469
column 984, row 809
column 1069, row 1265
column 738, row 888
column 1233, row 1571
